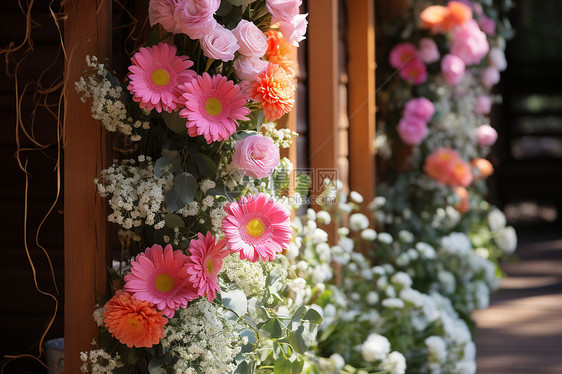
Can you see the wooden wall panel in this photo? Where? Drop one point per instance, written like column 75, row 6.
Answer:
column 323, row 86
column 87, row 32
column 361, row 95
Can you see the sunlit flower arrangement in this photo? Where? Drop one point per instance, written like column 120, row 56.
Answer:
column 197, row 192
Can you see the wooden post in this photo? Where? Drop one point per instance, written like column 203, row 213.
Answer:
column 87, row 31
column 361, row 89
column 323, row 88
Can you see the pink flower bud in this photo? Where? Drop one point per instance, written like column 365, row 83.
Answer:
column 453, row 68
column 420, row 108
column 251, row 40
column 428, row 50
column 257, row 155
column 412, row 130
column 486, row 135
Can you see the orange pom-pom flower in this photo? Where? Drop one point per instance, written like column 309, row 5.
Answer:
column 133, row 322
column 274, row 91
column 279, row 51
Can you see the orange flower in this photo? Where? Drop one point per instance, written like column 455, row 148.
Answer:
column 437, row 164
column 459, row 13
column 483, row 167
column 434, row 17
column 133, row 322
column 274, row 91
column 279, row 51
column 446, row 166
column 438, row 18
column 461, row 175
column 463, row 205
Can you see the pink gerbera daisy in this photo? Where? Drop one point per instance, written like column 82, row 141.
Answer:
column 160, row 276
column 204, row 264
column 212, row 106
column 256, row 227
column 155, row 76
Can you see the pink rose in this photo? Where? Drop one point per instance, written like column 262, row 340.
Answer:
column 483, row 104
column 496, row 58
column 412, row 130
column 486, row 135
column 428, row 50
column 414, row 72
column 487, row 25
column 256, row 155
column 452, row 68
column 248, row 68
column 469, row 43
column 420, row 108
column 294, row 31
column 195, row 17
column 283, row 10
column 402, row 54
column 251, row 40
column 490, row 76
column 162, row 12
column 219, row 44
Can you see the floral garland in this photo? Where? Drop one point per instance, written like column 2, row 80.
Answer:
column 215, row 278
column 205, row 184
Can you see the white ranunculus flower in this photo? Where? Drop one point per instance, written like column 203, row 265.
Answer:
column 496, row 219
column 324, row 217
column 358, row 221
column 368, row 234
column 437, row 349
column 456, row 243
column 507, row 239
column 395, row 363
column 376, row 347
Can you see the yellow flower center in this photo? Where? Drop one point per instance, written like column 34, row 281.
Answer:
column 255, row 228
column 134, row 324
column 209, row 266
column 160, row 77
column 213, row 106
column 164, row 282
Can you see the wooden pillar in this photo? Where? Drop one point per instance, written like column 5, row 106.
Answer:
column 323, row 88
column 361, row 101
column 87, row 31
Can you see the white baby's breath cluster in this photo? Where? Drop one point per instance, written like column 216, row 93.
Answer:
column 135, row 195
column 98, row 361
column 107, row 100
column 281, row 137
column 247, row 275
column 202, row 340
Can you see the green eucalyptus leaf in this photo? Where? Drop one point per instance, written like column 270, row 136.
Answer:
column 173, row 221
column 185, row 186
column 259, row 121
column 224, row 9
column 174, row 122
column 248, row 347
column 166, row 164
column 282, row 365
column 299, row 339
column 272, row 328
column 299, row 313
column 243, row 368
column 312, row 316
column 236, row 301
column 172, row 201
column 206, row 166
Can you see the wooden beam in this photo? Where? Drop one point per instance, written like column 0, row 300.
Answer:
column 323, row 89
column 87, row 31
column 361, row 95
